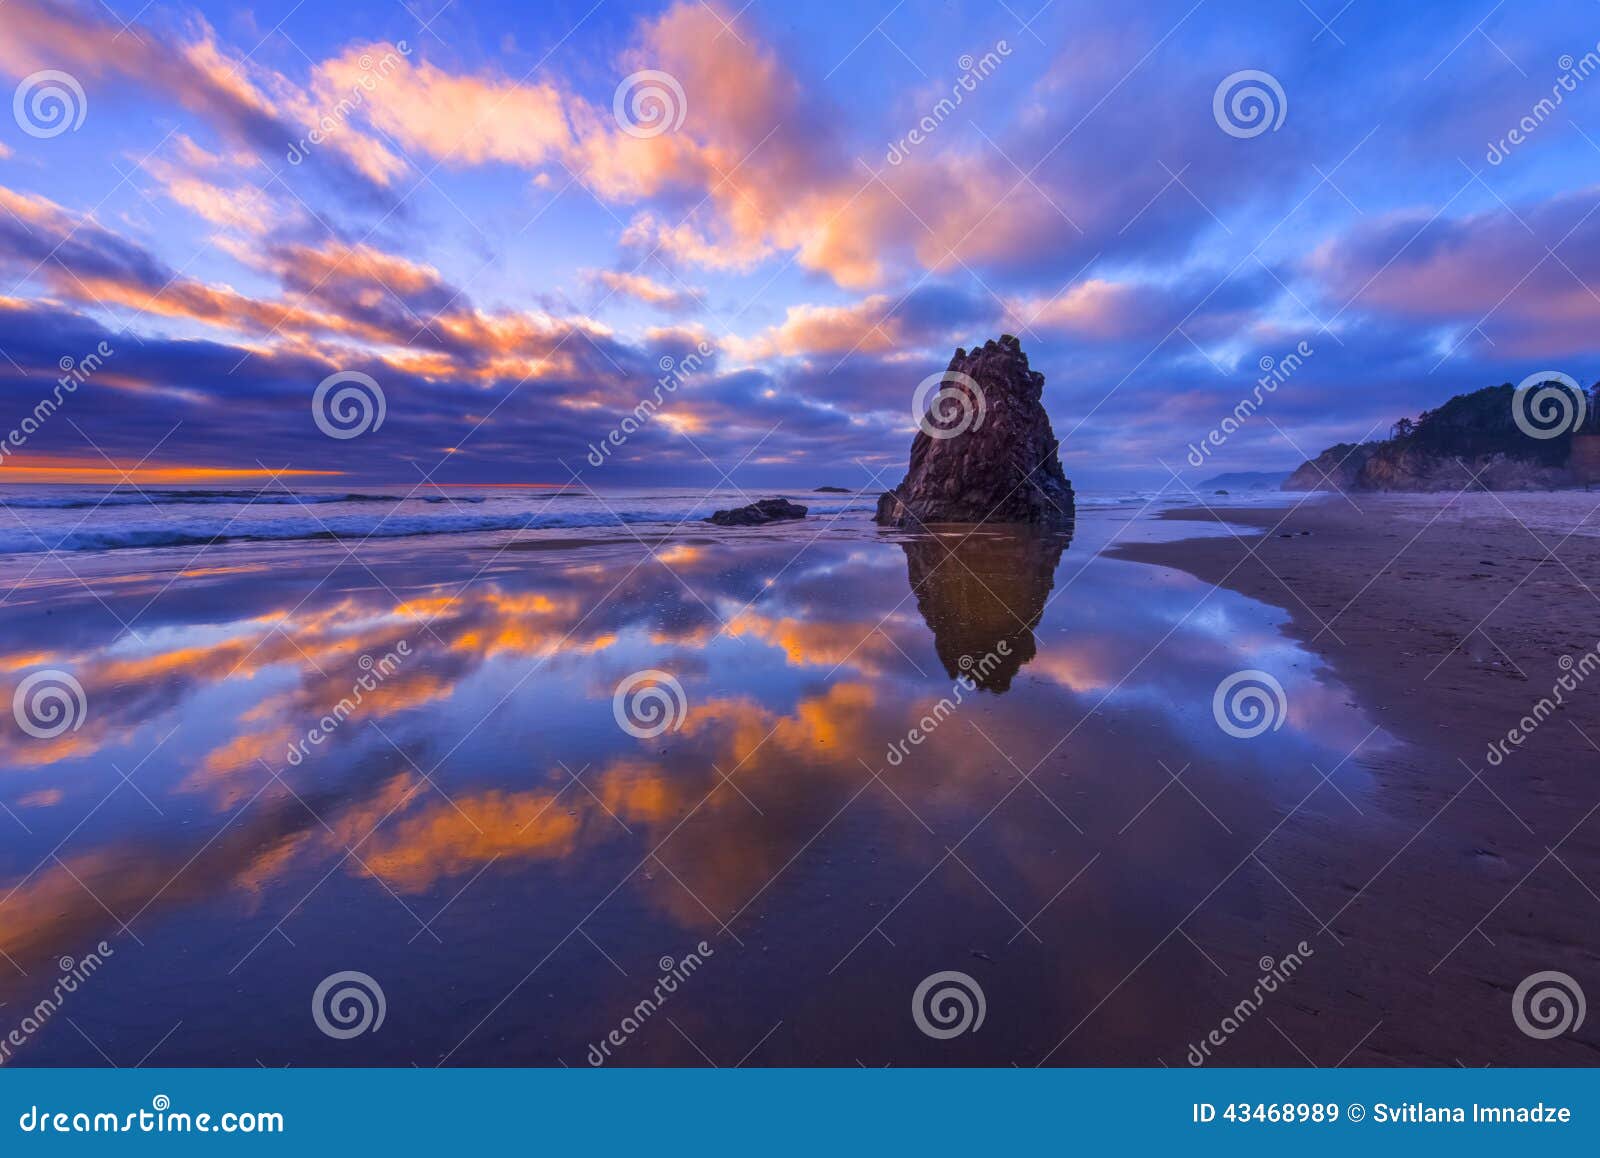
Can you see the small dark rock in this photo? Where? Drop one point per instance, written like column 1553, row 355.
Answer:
column 832, row 491
column 758, row 514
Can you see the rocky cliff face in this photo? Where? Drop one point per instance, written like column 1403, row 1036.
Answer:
column 1395, row 466
column 985, row 452
column 1335, row 469
column 1399, row 468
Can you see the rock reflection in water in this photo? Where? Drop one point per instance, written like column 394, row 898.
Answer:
column 976, row 588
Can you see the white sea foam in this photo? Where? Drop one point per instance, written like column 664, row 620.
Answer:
column 84, row 519
column 77, row 519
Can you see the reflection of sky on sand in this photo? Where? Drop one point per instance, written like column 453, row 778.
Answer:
column 478, row 825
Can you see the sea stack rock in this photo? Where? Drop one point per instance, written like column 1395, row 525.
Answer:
column 985, row 451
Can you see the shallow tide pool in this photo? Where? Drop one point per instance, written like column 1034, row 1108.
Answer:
column 710, row 797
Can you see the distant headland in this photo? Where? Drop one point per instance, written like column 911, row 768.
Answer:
column 1542, row 435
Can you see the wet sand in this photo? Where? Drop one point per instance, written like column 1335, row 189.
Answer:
column 1449, row 621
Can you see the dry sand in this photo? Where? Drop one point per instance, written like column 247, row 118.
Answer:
column 1449, row 618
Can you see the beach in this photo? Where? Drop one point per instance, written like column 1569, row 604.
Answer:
column 659, row 793
column 1452, row 616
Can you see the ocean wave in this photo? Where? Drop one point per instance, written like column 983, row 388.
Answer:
column 123, row 518
column 196, row 532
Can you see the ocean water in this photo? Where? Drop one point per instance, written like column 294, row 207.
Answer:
column 37, row 519
column 514, row 785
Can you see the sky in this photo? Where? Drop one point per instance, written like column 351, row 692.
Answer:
column 512, row 222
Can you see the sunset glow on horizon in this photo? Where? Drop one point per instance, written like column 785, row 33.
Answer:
column 63, row 471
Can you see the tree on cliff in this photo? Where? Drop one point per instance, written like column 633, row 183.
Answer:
column 1484, row 422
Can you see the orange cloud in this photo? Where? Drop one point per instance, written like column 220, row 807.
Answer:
column 232, row 208
column 466, row 120
column 1090, row 309
column 243, row 209
column 647, row 290
column 756, row 151
column 866, row 327
column 774, row 178
column 403, row 311
column 197, row 73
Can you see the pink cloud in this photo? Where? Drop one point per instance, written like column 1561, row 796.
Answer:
column 1517, row 276
column 647, row 290
column 339, row 300
column 459, row 119
column 866, row 327
column 196, row 73
column 757, row 153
